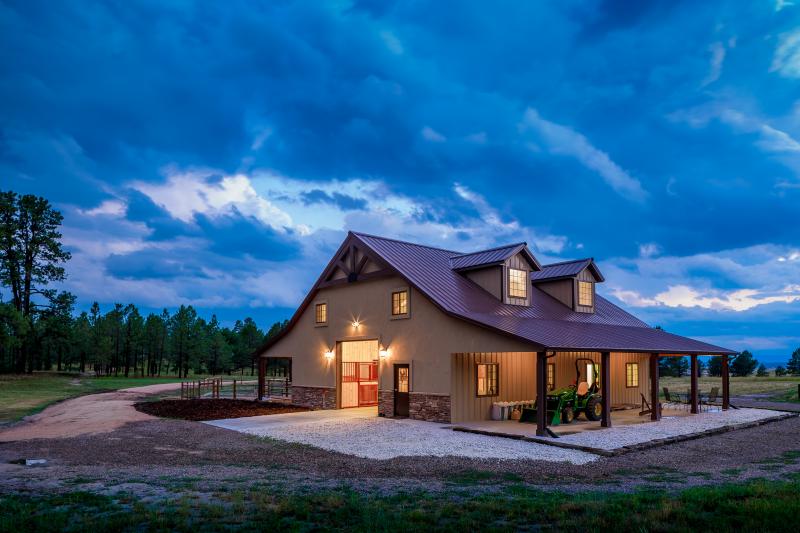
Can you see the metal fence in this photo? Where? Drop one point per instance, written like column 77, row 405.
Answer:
column 236, row 389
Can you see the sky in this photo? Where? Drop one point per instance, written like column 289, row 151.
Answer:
column 216, row 153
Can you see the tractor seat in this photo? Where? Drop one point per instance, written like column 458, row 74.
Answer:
column 583, row 388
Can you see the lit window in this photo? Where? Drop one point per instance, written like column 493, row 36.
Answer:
column 586, row 293
column 551, row 376
column 399, row 303
column 517, row 283
column 488, row 379
column 321, row 316
column 631, row 374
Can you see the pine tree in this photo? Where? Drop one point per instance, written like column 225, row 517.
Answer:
column 744, row 364
column 793, row 366
column 762, row 371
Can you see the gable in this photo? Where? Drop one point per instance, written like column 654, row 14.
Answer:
column 352, row 263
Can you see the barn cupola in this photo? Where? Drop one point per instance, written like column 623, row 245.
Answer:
column 504, row 271
column 570, row 282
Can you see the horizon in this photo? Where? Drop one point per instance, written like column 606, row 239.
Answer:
column 218, row 157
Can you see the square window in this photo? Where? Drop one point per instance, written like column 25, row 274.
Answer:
column 399, row 303
column 551, row 376
column 517, row 283
column 488, row 379
column 631, row 375
column 321, row 313
column 586, row 293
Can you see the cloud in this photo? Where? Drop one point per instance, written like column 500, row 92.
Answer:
column 113, row 208
column 430, row 134
column 738, row 300
column 786, row 60
column 649, row 249
column 715, row 68
column 562, row 140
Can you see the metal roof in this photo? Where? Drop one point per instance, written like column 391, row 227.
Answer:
column 566, row 269
column 546, row 323
column 481, row 258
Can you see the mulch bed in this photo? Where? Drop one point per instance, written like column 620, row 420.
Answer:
column 213, row 409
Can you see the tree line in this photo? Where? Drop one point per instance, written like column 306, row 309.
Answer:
column 39, row 329
column 744, row 364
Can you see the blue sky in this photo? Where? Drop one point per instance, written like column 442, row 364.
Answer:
column 215, row 153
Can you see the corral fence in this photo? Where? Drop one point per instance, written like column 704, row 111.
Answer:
column 236, row 389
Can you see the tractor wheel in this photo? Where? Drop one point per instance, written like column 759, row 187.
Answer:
column 567, row 415
column 594, row 408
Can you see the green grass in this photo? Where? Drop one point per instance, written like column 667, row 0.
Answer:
column 25, row 394
column 783, row 389
column 754, row 506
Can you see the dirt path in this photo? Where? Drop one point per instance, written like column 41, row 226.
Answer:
column 93, row 413
column 741, row 401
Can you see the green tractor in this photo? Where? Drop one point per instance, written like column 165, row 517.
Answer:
column 566, row 404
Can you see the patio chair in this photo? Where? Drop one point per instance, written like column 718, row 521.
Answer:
column 711, row 399
column 668, row 399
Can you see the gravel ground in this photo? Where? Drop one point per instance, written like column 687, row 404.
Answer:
column 383, row 438
column 620, row 436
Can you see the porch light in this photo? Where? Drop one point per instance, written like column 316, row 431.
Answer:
column 356, row 324
column 329, row 355
column 383, row 353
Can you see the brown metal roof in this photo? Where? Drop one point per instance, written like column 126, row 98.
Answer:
column 566, row 269
column 546, row 323
column 493, row 256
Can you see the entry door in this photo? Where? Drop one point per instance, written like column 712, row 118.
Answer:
column 401, row 390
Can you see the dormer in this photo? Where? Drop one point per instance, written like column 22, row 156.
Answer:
column 571, row 282
column 504, row 272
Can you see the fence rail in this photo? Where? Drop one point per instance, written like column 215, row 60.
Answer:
column 216, row 388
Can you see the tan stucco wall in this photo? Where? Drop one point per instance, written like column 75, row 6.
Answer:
column 426, row 340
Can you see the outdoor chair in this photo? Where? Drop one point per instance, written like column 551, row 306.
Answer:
column 711, row 399
column 669, row 400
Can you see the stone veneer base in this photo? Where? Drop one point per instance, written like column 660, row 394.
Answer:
column 314, row 397
column 421, row 406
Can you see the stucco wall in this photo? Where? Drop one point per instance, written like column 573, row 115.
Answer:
column 426, row 340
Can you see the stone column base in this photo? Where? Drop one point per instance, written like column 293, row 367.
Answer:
column 314, row 397
column 421, row 406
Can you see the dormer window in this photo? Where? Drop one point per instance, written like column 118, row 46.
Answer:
column 586, row 293
column 517, row 283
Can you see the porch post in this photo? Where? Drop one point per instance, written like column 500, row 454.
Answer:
column 726, row 384
column 655, row 411
column 262, row 372
column 694, row 383
column 541, row 394
column 605, row 371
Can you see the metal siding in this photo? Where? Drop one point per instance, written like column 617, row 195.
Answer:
column 490, row 278
column 561, row 290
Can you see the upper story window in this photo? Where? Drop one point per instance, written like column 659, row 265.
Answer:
column 517, row 283
column 400, row 303
column 321, row 313
column 586, row 293
column 488, row 376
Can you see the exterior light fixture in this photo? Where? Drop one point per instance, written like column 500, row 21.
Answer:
column 356, row 324
column 383, row 353
column 329, row 355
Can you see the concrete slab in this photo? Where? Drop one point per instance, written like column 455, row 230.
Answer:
column 252, row 424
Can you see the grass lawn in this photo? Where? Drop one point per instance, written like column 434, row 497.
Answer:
column 24, row 394
column 755, row 506
column 777, row 389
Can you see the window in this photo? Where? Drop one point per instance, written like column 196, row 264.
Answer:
column 586, row 293
column 631, row 375
column 321, row 313
column 517, row 283
column 399, row 303
column 488, row 379
column 551, row 376
column 590, row 374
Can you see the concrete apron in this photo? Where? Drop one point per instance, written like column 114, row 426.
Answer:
column 249, row 423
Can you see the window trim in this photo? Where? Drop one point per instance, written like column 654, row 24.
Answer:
column 578, row 290
column 636, row 374
column 525, row 278
column 551, row 385
column 327, row 313
column 400, row 316
column 497, row 375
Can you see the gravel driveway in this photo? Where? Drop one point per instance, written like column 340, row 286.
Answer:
column 363, row 434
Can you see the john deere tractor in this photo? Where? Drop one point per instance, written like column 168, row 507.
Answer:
column 566, row 404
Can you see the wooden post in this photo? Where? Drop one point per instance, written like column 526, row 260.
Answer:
column 726, row 384
column 234, row 389
column 694, row 384
column 605, row 383
column 541, row 394
column 262, row 377
column 655, row 412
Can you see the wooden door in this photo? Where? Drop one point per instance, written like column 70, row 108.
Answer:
column 401, row 388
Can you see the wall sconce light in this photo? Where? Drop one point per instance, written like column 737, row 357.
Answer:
column 329, row 355
column 356, row 324
column 383, row 353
